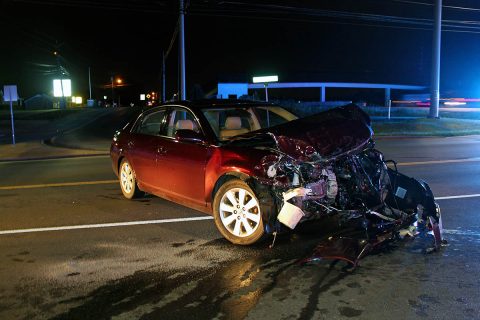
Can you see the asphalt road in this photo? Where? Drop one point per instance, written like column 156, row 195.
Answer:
column 97, row 134
column 98, row 262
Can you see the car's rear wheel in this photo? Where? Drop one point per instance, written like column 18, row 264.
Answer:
column 237, row 213
column 128, row 183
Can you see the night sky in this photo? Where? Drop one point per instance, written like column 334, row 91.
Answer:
column 380, row 41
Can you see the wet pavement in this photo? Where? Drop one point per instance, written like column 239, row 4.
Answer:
column 398, row 282
column 186, row 270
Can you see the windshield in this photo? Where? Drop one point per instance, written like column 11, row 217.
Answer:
column 230, row 122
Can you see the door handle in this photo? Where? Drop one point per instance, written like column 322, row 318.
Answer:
column 161, row 151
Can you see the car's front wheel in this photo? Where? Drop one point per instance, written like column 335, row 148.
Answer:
column 128, row 182
column 237, row 213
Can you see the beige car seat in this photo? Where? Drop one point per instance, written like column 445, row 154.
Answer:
column 185, row 125
column 233, row 127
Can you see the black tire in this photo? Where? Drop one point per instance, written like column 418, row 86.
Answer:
column 128, row 182
column 237, row 213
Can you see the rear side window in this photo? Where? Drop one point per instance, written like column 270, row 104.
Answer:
column 151, row 124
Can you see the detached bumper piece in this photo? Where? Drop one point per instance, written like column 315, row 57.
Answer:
column 351, row 249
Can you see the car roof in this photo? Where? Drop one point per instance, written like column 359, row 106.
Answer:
column 216, row 103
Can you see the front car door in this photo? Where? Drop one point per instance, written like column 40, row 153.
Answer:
column 181, row 165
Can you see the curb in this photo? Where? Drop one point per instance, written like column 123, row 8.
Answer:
column 51, row 143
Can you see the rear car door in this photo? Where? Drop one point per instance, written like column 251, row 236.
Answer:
column 142, row 150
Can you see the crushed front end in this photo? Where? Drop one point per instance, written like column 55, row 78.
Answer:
column 327, row 165
column 354, row 187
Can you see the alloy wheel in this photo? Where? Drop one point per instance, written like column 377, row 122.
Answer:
column 127, row 178
column 239, row 212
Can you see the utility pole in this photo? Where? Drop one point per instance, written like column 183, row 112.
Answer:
column 181, row 44
column 63, row 103
column 89, row 84
column 163, row 78
column 435, row 83
column 113, row 99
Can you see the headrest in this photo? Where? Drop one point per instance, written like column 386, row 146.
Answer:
column 184, row 125
column 233, row 123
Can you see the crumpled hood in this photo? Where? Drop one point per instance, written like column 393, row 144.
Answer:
column 329, row 134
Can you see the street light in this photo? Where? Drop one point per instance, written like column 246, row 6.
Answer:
column 118, row 81
column 265, row 80
column 113, row 101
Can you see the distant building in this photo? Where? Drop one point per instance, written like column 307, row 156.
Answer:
column 232, row 90
column 236, row 90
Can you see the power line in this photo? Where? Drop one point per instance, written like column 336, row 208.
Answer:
column 144, row 6
column 284, row 13
column 241, row 9
column 172, row 41
column 310, row 21
column 431, row 5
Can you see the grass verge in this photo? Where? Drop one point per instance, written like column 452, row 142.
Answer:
column 425, row 127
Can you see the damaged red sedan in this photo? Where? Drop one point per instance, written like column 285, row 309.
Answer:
column 259, row 169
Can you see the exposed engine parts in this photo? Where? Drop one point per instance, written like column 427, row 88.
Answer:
column 351, row 186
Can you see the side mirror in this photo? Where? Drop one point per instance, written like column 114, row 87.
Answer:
column 185, row 135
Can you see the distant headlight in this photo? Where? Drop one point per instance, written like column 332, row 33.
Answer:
column 454, row 103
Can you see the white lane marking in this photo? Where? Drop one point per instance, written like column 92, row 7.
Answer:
column 105, row 225
column 63, row 184
column 461, row 232
column 459, row 197
column 136, row 223
column 417, row 163
column 69, row 157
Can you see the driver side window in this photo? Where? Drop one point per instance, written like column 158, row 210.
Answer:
column 181, row 119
